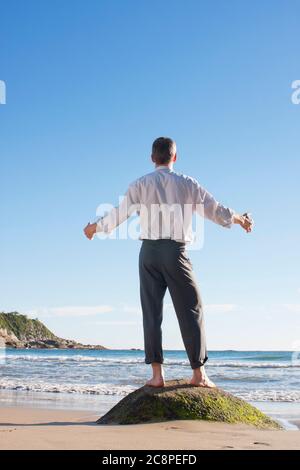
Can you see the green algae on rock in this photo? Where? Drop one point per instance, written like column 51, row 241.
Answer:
column 180, row 400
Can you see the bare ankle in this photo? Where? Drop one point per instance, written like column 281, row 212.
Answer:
column 157, row 370
column 199, row 371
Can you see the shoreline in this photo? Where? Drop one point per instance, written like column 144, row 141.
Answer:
column 36, row 428
column 283, row 412
column 92, row 347
column 47, row 386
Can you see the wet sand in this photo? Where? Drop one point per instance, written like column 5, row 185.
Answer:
column 33, row 428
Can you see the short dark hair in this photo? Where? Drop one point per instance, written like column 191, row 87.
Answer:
column 163, row 148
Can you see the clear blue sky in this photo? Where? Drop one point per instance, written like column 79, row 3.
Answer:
column 89, row 87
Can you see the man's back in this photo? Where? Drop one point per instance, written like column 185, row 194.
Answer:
column 166, row 206
column 166, row 201
column 164, row 186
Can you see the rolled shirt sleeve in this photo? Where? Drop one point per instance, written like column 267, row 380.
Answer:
column 207, row 206
column 119, row 214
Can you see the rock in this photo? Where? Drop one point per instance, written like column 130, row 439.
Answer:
column 19, row 331
column 8, row 339
column 180, row 400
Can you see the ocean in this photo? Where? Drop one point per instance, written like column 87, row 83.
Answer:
column 96, row 380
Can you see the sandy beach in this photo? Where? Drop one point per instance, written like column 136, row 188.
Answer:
column 33, row 428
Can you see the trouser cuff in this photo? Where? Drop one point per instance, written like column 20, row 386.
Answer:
column 157, row 360
column 196, row 365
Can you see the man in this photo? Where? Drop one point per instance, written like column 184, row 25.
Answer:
column 166, row 201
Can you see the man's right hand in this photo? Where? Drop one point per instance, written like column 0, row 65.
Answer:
column 244, row 221
column 90, row 230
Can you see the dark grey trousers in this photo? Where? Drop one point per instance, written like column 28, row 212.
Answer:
column 164, row 264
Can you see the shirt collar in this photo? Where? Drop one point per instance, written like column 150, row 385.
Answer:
column 163, row 167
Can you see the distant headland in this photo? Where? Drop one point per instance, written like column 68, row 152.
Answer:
column 19, row 331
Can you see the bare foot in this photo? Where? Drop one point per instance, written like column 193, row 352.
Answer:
column 156, row 382
column 202, row 383
column 200, row 379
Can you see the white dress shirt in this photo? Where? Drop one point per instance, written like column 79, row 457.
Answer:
column 166, row 201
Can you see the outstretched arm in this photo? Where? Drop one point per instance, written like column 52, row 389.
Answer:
column 208, row 207
column 116, row 216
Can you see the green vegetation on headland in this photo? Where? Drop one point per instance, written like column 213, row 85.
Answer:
column 19, row 331
column 180, row 400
